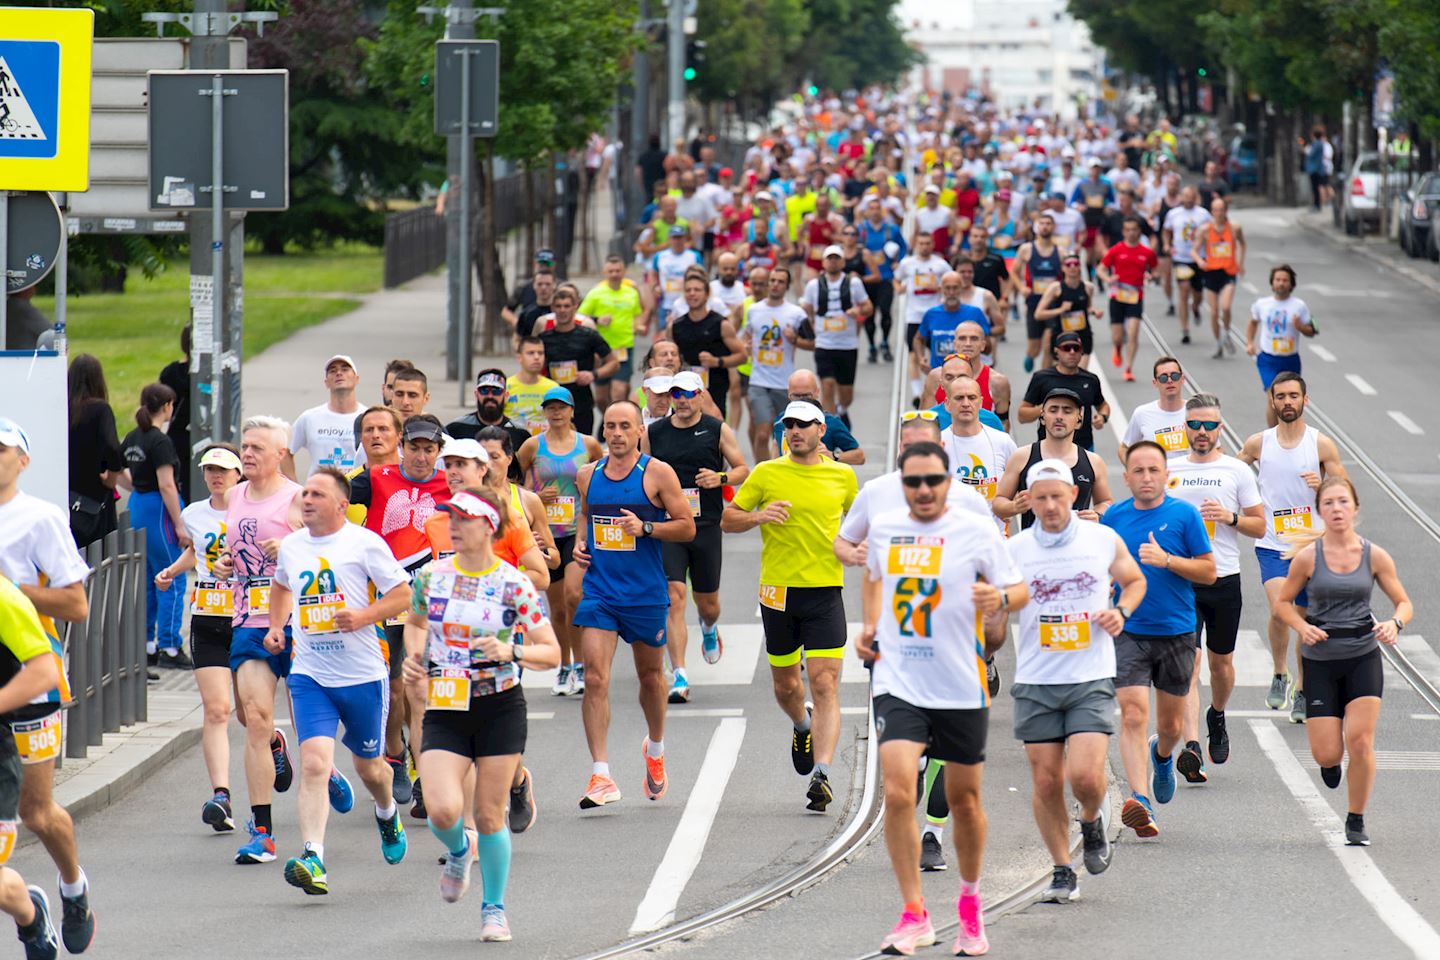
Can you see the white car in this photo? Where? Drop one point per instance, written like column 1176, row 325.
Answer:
column 1357, row 204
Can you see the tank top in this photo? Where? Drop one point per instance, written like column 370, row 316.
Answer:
column 249, row 523
column 1007, row 230
column 983, row 379
column 1043, row 269
column 1289, row 501
column 399, row 508
column 692, row 336
column 1084, row 481
column 1340, row 605
column 557, row 471
column 818, row 235
column 624, row 570
column 1076, row 303
column 1220, row 250
column 689, row 450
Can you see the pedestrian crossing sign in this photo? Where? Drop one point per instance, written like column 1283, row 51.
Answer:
column 45, row 98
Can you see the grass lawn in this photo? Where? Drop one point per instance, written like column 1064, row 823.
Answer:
column 136, row 333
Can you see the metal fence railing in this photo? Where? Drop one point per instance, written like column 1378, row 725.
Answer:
column 107, row 667
column 414, row 244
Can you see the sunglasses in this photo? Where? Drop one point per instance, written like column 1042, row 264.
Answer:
column 684, row 394
column 1203, row 424
column 490, row 391
column 1169, row 377
column 909, row 415
column 1069, row 348
column 1070, row 263
column 790, row 423
column 955, row 356
column 916, row 480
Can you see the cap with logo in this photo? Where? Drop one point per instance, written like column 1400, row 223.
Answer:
column 420, row 429
column 343, row 358
column 220, row 457
column 1069, row 336
column 803, row 410
column 558, row 393
column 545, row 255
column 1062, row 393
column 12, row 436
column 467, row 505
column 490, row 378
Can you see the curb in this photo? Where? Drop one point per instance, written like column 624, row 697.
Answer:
column 92, row 792
column 1369, row 253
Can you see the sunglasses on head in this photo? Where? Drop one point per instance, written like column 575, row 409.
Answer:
column 1069, row 348
column 684, row 394
column 1070, row 263
column 790, row 423
column 490, row 391
column 916, row 480
column 1203, row 424
column 1169, row 377
column 909, row 415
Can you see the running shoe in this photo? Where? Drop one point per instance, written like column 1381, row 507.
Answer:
column 1029, row 364
column 342, row 795
column 417, row 809
column 679, row 689
column 523, row 810
column 992, row 676
column 1136, row 815
column 1170, row 310
column 284, row 770
column 1128, row 376
column 217, row 813
column 1297, row 706
column 307, row 873
column 455, row 875
column 260, row 849
column 1096, row 842
column 1064, row 887
column 656, row 783
column 77, row 921
column 1279, row 683
column 819, row 794
column 1115, row 358
column 872, row 356
column 845, row 419
column 494, row 928
column 1219, row 736
column 970, row 938
column 711, row 646
column 1185, row 337
column 602, row 790
column 1219, row 353
column 914, row 930
column 802, row 748
column 392, row 838
column 1355, row 834
column 1162, row 773
column 1331, row 776
column 1191, row 764
column 577, row 679
column 179, row 660
column 562, row 682
column 400, row 788
column 885, row 353
column 39, row 937
column 932, row 854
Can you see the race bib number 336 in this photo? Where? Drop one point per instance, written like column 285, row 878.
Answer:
column 1070, row 631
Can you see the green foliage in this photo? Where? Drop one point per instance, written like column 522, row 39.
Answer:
column 854, row 43
column 751, row 47
column 1409, row 35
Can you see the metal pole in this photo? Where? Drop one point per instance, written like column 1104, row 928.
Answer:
column 4, row 264
column 459, row 27
column 467, row 310
column 639, row 128
column 675, row 54
column 62, row 275
column 217, row 251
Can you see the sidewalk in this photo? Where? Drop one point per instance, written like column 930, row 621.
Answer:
column 1377, row 250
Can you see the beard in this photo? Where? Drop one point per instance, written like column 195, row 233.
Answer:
column 490, row 410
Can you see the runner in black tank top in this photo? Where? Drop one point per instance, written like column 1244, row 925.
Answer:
column 693, row 337
column 689, row 450
column 1084, row 479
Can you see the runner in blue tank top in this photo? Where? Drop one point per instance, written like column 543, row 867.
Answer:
column 627, row 500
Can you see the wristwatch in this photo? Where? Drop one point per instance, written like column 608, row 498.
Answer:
column 647, row 529
column 1234, row 519
column 1399, row 624
column 724, row 479
column 1124, row 614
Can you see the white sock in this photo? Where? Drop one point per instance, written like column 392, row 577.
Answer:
column 680, row 672
column 74, row 889
column 600, row 769
column 937, row 832
column 316, row 848
column 839, row 409
column 915, row 384
column 655, row 748
column 385, row 814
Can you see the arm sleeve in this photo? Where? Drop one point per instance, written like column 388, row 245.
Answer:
column 360, row 489
column 527, row 604
column 420, row 592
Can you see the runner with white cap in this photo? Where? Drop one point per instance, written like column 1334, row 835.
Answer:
column 327, row 432
column 837, row 305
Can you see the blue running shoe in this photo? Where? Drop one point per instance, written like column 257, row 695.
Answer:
column 711, row 646
column 40, row 939
column 392, row 837
column 680, row 688
column 307, row 873
column 1162, row 774
column 342, row 796
column 216, row 812
column 260, row 849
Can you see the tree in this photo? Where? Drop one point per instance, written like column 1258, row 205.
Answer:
column 751, row 47
column 1408, row 36
column 856, row 43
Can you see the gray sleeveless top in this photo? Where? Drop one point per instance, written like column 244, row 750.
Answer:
column 1340, row 605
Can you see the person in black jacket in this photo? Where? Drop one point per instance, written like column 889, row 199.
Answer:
column 95, row 458
column 176, row 376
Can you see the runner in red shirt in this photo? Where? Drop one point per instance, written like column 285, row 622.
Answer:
column 1126, row 268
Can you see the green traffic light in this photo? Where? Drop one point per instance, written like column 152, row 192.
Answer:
column 813, row 90
column 690, row 73
column 424, row 79
column 1202, row 72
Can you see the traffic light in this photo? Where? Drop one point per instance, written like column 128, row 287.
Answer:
column 813, row 90
column 694, row 59
column 1202, row 72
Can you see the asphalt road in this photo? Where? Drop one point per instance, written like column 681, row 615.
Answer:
column 1247, row 865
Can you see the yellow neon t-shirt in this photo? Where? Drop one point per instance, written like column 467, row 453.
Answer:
column 797, row 553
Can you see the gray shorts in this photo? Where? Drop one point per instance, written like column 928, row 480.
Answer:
column 1052, row 712
column 1164, row 663
column 766, row 403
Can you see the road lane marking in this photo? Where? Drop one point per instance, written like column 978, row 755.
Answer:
column 1358, row 382
column 1253, row 663
column 1394, row 760
column 1118, row 419
column 676, row 710
column 688, row 842
column 1393, row 909
column 1421, row 655
column 1406, row 424
column 1250, row 288
column 1322, row 353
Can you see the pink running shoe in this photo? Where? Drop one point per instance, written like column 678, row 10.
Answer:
column 913, row 930
column 970, row 941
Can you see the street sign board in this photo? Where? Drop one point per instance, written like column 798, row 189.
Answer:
column 484, row 73
column 256, row 139
column 32, row 240
column 45, row 98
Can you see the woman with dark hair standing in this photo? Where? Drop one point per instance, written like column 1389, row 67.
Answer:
column 176, row 376
column 95, row 459
column 155, row 508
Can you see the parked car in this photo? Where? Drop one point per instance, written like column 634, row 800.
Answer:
column 1243, row 163
column 1358, row 198
column 1422, row 202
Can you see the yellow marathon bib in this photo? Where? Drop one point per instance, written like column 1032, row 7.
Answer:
column 1065, row 632
column 772, row 596
column 37, row 740
column 317, row 613
column 564, row 371
column 914, row 556
column 560, row 511
column 1172, row 439
column 1296, row 518
column 1126, row 294
column 213, row 598
column 985, row 486
column 448, row 690
column 1074, row 320
column 610, row 535
column 257, row 595
column 692, row 494
column 836, row 323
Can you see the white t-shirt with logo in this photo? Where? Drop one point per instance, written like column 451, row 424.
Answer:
column 35, row 542
column 1226, row 480
column 1165, row 427
column 206, row 527
column 328, row 574
column 922, row 284
column 1069, row 584
column 670, row 268
column 328, row 437
column 772, row 356
column 932, row 652
column 1185, row 226
column 834, row 328
column 1280, row 320
column 979, row 461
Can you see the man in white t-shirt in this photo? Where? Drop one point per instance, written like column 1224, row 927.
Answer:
column 978, row 453
column 917, row 276
column 1162, row 419
column 1285, row 318
column 836, row 322
column 1181, row 229
column 327, row 432
column 338, row 674
column 666, row 273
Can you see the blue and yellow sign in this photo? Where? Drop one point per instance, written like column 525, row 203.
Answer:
column 45, row 98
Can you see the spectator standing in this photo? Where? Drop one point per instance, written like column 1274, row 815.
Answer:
column 96, row 462
column 176, row 376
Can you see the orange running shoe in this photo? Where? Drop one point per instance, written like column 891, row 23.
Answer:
column 602, row 790
column 656, row 783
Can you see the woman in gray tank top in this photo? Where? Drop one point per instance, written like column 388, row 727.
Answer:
column 1341, row 643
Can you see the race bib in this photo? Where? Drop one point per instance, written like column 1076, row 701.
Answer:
column 914, row 556
column 213, row 598
column 317, row 613
column 985, row 486
column 37, row 740
column 564, row 372
column 1062, row 242
column 1095, row 201
column 1172, row 439
column 836, row 323
column 817, row 252
column 1126, row 293
column 926, row 283
column 400, row 620
column 1065, row 632
column 1210, row 529
column 257, row 595
column 672, row 284
column 770, row 357
column 1220, row 251
column 449, row 689
column 1296, row 518
column 692, row 495
column 773, row 596
column 1282, row 346
column 1183, row 271
column 7, row 839
column 560, row 511
column 1074, row 320
column 610, row 535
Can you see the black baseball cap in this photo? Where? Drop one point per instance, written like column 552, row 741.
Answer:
column 422, row 428
column 545, row 255
column 1069, row 336
column 1063, row 393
